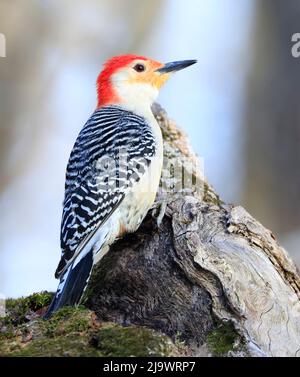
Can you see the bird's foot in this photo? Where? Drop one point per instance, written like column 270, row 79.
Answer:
column 159, row 211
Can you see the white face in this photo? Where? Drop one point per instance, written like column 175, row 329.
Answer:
column 133, row 88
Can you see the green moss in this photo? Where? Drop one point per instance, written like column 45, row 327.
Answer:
column 130, row 341
column 67, row 313
column 112, row 341
column 7, row 332
column 65, row 328
column 67, row 320
column 37, row 301
column 19, row 309
column 222, row 340
column 70, row 345
column 77, row 332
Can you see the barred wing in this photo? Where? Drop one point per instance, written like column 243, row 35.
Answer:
column 112, row 151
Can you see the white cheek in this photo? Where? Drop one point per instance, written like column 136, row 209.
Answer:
column 134, row 95
column 137, row 92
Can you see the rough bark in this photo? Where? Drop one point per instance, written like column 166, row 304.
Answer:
column 209, row 272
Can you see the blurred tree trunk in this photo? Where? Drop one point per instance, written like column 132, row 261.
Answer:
column 34, row 32
column 272, row 174
column 45, row 40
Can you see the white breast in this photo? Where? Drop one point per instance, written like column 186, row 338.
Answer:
column 141, row 196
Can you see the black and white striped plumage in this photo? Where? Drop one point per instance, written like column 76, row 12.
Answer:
column 111, row 155
column 92, row 189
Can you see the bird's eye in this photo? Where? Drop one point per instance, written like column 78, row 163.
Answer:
column 139, row 67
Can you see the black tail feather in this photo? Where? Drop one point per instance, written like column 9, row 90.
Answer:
column 73, row 283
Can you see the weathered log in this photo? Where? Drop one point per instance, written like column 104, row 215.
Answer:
column 209, row 271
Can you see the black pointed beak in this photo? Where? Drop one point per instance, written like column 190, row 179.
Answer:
column 175, row 66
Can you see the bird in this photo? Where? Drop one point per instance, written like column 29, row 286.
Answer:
column 113, row 171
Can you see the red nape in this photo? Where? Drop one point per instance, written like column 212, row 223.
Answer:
column 105, row 91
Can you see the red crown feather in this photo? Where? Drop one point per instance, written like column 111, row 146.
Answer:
column 105, row 91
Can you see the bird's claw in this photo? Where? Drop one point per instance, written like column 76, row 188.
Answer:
column 159, row 211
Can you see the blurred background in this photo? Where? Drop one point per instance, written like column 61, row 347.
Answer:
column 239, row 105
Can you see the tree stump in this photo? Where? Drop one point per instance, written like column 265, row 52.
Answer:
column 210, row 274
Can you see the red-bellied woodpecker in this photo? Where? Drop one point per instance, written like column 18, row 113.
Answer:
column 113, row 171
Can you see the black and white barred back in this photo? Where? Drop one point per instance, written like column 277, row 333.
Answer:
column 110, row 153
